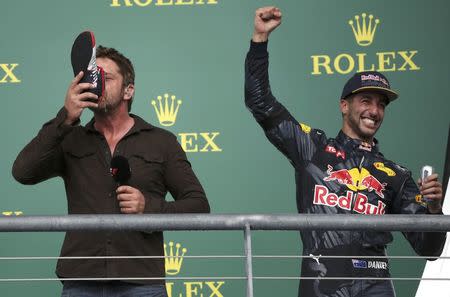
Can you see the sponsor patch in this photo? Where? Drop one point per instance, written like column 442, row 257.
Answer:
column 361, row 264
column 332, row 150
column 380, row 166
column 357, row 202
column 356, row 180
column 305, row 128
column 377, row 265
column 419, row 200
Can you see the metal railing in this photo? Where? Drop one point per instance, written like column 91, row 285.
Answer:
column 244, row 222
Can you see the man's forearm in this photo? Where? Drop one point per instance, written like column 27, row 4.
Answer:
column 42, row 157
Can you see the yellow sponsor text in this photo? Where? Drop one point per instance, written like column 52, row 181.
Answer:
column 195, row 289
column 199, row 142
column 7, row 74
column 347, row 63
column 145, row 3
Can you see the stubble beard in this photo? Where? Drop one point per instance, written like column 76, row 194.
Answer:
column 357, row 126
column 106, row 105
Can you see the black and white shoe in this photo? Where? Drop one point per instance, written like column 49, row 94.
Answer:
column 83, row 59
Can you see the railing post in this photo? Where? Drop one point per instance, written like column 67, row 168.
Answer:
column 248, row 262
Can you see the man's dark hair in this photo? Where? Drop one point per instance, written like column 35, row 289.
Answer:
column 126, row 68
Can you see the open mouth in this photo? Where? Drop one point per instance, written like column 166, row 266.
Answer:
column 369, row 122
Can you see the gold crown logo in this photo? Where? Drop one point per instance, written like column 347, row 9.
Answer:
column 173, row 260
column 166, row 109
column 365, row 29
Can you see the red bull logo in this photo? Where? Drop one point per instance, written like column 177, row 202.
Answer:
column 342, row 176
column 373, row 184
column 356, row 180
column 357, row 202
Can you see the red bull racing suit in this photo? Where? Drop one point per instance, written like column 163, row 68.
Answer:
column 337, row 176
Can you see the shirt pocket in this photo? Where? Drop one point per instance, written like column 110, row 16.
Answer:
column 84, row 162
column 147, row 171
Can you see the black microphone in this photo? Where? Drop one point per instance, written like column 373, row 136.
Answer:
column 120, row 170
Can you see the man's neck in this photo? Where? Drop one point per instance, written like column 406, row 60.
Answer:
column 113, row 123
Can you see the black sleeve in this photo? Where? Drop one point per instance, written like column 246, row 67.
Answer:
column 296, row 141
column 424, row 243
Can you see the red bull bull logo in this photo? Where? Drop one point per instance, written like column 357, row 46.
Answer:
column 342, row 176
column 356, row 180
column 373, row 184
column 357, row 202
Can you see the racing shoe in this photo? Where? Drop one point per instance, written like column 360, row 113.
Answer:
column 83, row 59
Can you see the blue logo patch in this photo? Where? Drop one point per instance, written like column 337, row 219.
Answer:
column 359, row 263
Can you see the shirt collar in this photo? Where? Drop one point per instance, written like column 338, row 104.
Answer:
column 351, row 144
column 139, row 125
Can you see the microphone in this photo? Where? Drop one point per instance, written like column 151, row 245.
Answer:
column 120, row 170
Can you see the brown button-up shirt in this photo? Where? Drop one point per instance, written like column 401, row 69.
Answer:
column 81, row 156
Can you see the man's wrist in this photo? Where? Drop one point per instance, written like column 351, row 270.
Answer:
column 434, row 209
column 260, row 37
column 71, row 123
column 68, row 121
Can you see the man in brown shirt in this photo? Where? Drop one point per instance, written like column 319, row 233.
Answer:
column 82, row 155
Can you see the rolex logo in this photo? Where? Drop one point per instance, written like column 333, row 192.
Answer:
column 160, row 3
column 167, row 109
column 7, row 74
column 364, row 29
column 173, row 258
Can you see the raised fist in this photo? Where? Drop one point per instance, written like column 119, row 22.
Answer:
column 266, row 20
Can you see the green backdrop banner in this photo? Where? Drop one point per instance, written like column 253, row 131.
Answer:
column 191, row 53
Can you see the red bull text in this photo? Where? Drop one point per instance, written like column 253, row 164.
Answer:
column 357, row 202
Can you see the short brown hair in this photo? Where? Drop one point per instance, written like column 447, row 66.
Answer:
column 126, row 68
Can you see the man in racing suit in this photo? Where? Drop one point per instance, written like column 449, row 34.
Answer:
column 344, row 175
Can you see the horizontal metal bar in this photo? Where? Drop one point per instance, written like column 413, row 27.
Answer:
column 196, row 278
column 124, row 278
column 352, row 278
column 343, row 257
column 157, row 222
column 222, row 257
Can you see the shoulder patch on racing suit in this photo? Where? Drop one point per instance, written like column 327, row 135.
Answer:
column 305, row 128
column 380, row 166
